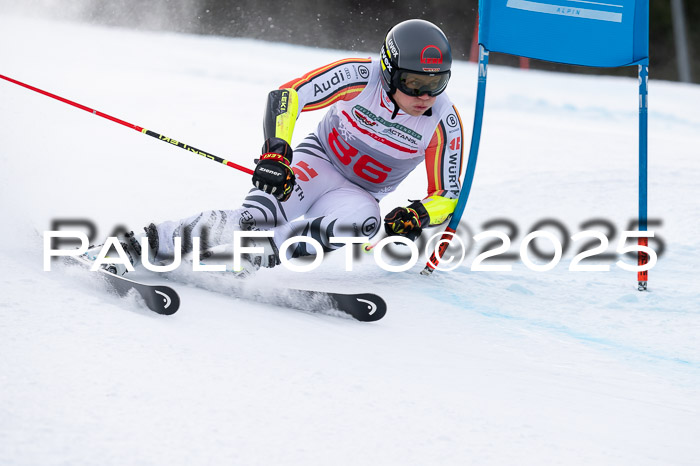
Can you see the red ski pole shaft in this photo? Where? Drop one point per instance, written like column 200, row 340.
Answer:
column 160, row 137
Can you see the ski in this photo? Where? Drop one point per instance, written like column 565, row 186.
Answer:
column 365, row 307
column 158, row 298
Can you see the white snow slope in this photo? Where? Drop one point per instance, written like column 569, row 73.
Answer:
column 468, row 367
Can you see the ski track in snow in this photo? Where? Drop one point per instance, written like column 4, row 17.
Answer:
column 467, row 367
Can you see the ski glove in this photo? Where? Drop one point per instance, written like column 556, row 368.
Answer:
column 407, row 221
column 273, row 173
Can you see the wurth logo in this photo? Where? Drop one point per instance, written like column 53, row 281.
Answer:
column 431, row 55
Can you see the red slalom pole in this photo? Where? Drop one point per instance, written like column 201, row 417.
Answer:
column 132, row 126
column 474, row 49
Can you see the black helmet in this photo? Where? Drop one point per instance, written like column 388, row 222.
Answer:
column 416, row 59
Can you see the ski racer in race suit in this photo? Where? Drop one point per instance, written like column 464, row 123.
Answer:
column 384, row 118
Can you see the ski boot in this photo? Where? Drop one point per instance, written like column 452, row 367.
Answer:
column 131, row 245
column 251, row 262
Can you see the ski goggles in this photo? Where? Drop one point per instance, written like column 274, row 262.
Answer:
column 416, row 84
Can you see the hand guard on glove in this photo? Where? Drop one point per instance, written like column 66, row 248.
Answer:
column 407, row 221
column 273, row 173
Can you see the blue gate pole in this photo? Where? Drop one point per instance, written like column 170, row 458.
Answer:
column 642, row 257
column 443, row 243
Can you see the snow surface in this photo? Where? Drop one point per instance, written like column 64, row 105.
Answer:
column 495, row 368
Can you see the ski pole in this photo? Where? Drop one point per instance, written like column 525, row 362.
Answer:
column 148, row 132
column 367, row 247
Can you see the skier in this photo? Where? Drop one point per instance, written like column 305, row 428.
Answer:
column 384, row 118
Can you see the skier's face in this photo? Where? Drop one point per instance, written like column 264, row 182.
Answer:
column 414, row 106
